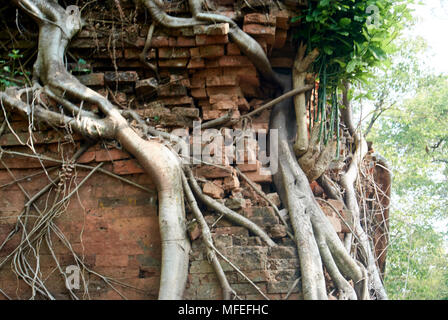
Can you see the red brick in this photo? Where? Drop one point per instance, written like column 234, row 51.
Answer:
column 225, row 105
column 265, row 41
column 211, row 51
column 202, row 40
column 172, row 90
column 243, row 105
column 213, row 172
column 280, row 38
column 173, row 63
column 199, row 93
column 93, row 79
column 249, row 167
column 248, row 70
column 111, row 260
column 231, row 182
column 87, row 157
column 122, row 77
column 146, row 86
column 222, row 81
column 229, row 91
column 221, row 96
column 195, row 52
column 234, row 61
column 161, row 41
column 212, row 190
column 259, row 18
column 127, row 167
column 185, row 42
column 186, row 112
column 171, row 53
column 256, row 176
column 282, row 19
column 216, row 72
column 212, row 29
column 196, row 63
column 197, row 82
column 250, row 79
column 111, row 155
column 233, row 50
column 316, row 188
column 256, row 29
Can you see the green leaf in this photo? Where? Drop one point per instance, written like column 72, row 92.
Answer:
column 345, row 21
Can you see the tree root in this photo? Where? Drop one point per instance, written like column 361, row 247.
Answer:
column 316, row 239
column 317, row 243
column 157, row 160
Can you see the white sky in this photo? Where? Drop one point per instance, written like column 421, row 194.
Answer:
column 432, row 25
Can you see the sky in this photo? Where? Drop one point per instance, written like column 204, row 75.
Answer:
column 432, row 25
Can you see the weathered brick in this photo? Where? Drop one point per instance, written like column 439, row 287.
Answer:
column 127, row 167
column 186, row 112
column 231, row 182
column 146, row 86
column 259, row 176
column 256, row 29
column 215, row 72
column 110, row 155
column 213, row 190
column 212, row 29
column 202, row 40
column 197, row 82
column 184, row 101
column 280, row 38
column 282, row 19
column 173, row 53
column 196, row 63
column 161, row 41
column 171, row 90
column 230, row 91
column 225, row 80
column 259, row 18
column 233, row 50
column 234, row 61
column 211, row 51
column 199, row 93
column 173, row 63
column 282, row 287
column 111, row 260
column 282, row 252
column 93, row 79
column 122, row 77
column 185, row 42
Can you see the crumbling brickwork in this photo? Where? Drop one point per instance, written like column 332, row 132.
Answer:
column 112, row 224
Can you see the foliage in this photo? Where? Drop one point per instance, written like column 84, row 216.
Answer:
column 9, row 70
column 352, row 34
column 413, row 136
column 417, row 260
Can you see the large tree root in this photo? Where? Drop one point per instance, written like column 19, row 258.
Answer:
column 246, row 43
column 317, row 243
column 316, row 239
column 157, row 160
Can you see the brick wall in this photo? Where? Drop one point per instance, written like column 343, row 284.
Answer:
column 112, row 224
